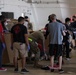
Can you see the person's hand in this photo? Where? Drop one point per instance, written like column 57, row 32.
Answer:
column 28, row 47
column 3, row 45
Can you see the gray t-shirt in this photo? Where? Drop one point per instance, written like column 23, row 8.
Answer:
column 55, row 32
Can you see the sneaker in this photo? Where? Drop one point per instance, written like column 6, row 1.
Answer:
column 3, row 69
column 61, row 71
column 45, row 68
column 16, row 70
column 24, row 71
column 67, row 58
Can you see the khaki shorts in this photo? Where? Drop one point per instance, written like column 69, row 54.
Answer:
column 20, row 49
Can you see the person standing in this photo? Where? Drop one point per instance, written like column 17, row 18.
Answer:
column 28, row 24
column 73, row 29
column 55, row 48
column 46, row 27
column 67, row 37
column 2, row 42
column 20, row 43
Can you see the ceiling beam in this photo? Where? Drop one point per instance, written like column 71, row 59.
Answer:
column 29, row 1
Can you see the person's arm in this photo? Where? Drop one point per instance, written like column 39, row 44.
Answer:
column 63, row 30
column 26, row 36
column 26, row 39
column 2, row 40
column 47, row 31
column 27, row 42
column 69, row 32
column 63, row 33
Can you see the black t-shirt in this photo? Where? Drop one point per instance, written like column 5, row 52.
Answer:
column 47, row 32
column 66, row 38
column 18, row 32
column 67, row 27
column 73, row 24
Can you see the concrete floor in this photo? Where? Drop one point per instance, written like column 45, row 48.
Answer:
column 69, row 67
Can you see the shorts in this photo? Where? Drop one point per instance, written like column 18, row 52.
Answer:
column 20, row 50
column 55, row 50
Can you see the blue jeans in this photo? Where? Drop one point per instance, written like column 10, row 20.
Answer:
column 1, row 50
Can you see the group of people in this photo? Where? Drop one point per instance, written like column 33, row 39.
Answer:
column 24, row 43
column 60, row 35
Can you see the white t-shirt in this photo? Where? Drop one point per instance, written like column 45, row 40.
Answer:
column 26, row 24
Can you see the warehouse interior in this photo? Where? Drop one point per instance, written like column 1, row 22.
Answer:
column 38, row 12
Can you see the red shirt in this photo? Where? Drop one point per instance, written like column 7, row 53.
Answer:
column 1, row 28
column 1, row 31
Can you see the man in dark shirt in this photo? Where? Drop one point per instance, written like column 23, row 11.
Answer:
column 66, row 38
column 73, row 28
column 20, row 43
column 46, row 27
column 73, row 24
column 28, row 24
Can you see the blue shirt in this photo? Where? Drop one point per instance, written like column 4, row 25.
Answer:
column 55, row 32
